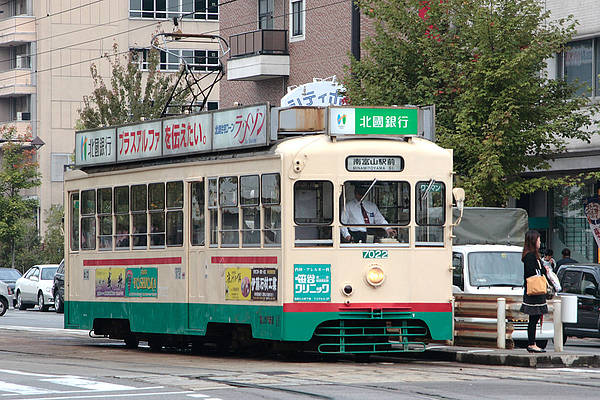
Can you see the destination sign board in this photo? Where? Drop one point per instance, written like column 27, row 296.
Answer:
column 95, row 147
column 373, row 121
column 375, row 163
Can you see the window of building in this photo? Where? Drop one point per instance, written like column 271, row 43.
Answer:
column 430, row 212
column 271, row 200
column 579, row 65
column 197, row 213
column 104, row 203
column 297, row 19
column 21, row 57
column 88, row 219
column 313, row 213
column 59, row 160
column 121, row 194
column 265, row 14
column 197, row 60
column 161, row 9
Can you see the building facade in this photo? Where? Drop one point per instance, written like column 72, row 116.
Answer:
column 559, row 213
column 276, row 44
column 47, row 47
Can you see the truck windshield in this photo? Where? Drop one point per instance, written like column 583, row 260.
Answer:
column 495, row 268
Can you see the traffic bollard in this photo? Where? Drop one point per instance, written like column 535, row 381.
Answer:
column 501, row 325
column 558, row 332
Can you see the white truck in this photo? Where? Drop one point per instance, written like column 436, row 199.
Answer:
column 486, row 260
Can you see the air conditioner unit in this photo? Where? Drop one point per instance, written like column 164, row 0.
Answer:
column 22, row 61
column 23, row 116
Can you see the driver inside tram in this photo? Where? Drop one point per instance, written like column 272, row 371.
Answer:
column 360, row 211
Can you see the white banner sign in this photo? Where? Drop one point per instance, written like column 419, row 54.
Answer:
column 319, row 93
column 184, row 135
column 240, row 127
column 136, row 142
column 591, row 207
column 95, row 147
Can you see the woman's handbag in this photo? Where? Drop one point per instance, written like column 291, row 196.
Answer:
column 536, row 284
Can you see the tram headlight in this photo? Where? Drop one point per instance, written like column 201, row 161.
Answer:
column 375, row 276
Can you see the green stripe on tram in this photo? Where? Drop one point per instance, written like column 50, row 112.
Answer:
column 268, row 322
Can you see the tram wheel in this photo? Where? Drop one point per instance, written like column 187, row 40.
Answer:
column 132, row 342
column 155, row 344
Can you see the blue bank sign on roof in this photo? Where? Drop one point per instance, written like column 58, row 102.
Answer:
column 186, row 134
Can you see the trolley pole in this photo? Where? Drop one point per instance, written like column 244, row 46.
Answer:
column 501, row 325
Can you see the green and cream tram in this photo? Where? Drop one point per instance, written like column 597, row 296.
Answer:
column 328, row 227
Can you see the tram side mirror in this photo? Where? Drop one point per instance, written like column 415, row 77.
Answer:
column 459, row 198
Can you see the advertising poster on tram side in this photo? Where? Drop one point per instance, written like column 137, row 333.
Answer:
column 312, row 282
column 237, row 283
column 264, row 284
column 110, row 282
column 141, row 282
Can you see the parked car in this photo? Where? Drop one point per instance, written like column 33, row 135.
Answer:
column 10, row 276
column 582, row 280
column 35, row 287
column 58, row 289
column 6, row 297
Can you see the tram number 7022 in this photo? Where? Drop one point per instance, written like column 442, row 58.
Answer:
column 375, row 254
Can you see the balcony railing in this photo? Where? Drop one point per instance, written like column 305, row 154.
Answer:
column 16, row 82
column 261, row 42
column 19, row 29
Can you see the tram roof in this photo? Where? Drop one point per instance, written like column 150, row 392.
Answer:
column 243, row 131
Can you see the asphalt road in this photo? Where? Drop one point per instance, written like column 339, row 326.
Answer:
column 39, row 361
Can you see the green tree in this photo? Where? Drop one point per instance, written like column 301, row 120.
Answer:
column 483, row 64
column 132, row 95
column 54, row 238
column 19, row 172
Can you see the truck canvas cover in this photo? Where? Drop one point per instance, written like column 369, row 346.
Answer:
column 488, row 225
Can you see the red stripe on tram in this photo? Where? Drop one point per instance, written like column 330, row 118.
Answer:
column 132, row 261
column 244, row 260
column 385, row 307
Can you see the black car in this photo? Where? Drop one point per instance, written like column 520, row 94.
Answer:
column 10, row 276
column 582, row 280
column 58, row 288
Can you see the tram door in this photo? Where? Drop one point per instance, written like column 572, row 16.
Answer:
column 198, row 263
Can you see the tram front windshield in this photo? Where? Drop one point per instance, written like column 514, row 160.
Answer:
column 373, row 212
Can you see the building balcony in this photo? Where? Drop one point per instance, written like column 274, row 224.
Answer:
column 16, row 82
column 17, row 30
column 258, row 55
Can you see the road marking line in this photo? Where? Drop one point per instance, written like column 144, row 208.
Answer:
column 479, row 351
column 111, row 396
column 87, row 391
column 87, row 384
column 21, row 389
column 34, row 329
column 12, row 372
column 198, row 395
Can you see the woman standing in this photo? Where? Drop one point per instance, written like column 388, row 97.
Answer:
column 533, row 305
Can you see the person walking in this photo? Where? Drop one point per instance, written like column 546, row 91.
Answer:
column 566, row 253
column 533, row 305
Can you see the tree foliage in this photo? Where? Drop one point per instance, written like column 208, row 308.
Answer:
column 54, row 238
column 18, row 173
column 483, row 64
column 133, row 94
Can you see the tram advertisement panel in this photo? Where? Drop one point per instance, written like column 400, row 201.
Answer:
column 137, row 142
column 237, row 283
column 126, row 282
column 95, row 147
column 110, row 282
column 264, row 284
column 241, row 127
column 187, row 134
column 312, row 282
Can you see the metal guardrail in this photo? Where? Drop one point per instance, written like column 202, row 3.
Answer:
column 500, row 313
column 262, row 41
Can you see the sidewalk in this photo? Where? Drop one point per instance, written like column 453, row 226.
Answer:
column 514, row 357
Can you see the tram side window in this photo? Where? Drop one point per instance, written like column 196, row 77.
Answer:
column 213, row 211
column 121, row 199
column 375, row 212
column 156, row 209
column 271, row 200
column 313, row 213
column 430, row 213
column 105, row 222
column 75, row 221
column 139, row 229
column 228, row 202
column 197, row 213
column 175, row 213
column 88, row 219
column 249, row 201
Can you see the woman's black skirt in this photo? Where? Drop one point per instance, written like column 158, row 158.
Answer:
column 534, row 305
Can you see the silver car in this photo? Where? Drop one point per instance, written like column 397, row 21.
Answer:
column 35, row 287
column 6, row 297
